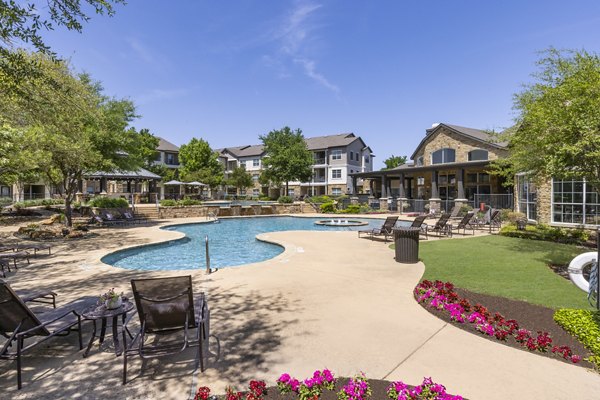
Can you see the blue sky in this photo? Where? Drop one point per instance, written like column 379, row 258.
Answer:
column 228, row 71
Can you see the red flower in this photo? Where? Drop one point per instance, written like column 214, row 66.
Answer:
column 202, row 393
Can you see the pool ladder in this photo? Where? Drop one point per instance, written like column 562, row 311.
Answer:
column 211, row 216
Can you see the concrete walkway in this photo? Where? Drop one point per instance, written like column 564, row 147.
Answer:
column 330, row 300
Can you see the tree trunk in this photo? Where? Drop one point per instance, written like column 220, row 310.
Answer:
column 68, row 212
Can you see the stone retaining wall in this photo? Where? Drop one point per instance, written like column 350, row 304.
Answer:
column 203, row 211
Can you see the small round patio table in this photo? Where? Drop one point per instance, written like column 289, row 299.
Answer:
column 99, row 312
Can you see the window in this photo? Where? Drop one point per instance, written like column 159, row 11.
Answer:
column 336, row 174
column 255, row 192
column 255, row 177
column 171, row 159
column 351, row 156
column 443, row 156
column 366, row 159
column 527, row 197
column 420, row 161
column 575, row 202
column 478, row 155
column 255, row 162
column 243, row 164
column 420, row 181
column 336, row 154
column 291, row 192
column 158, row 156
column 336, row 191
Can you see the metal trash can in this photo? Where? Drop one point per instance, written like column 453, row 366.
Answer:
column 406, row 241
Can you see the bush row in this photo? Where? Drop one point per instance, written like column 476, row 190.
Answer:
column 547, row 233
column 183, row 202
column 36, row 203
column 108, row 202
column 585, row 326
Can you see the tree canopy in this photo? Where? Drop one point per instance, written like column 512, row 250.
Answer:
column 71, row 130
column 286, row 157
column 200, row 163
column 557, row 131
column 240, row 179
column 394, row 161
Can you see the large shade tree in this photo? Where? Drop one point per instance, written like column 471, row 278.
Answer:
column 286, row 157
column 557, row 130
column 200, row 163
column 394, row 161
column 77, row 129
column 240, row 179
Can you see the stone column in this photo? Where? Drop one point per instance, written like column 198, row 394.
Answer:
column 401, row 193
column 354, row 201
column 384, row 186
column 460, row 186
column 434, row 185
column 354, row 185
column 383, row 204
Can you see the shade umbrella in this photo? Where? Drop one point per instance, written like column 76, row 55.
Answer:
column 196, row 183
column 173, row 182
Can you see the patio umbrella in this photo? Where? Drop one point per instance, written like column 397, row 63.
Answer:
column 173, row 183
column 196, row 183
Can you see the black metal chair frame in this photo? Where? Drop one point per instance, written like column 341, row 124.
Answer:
column 195, row 318
column 29, row 326
column 385, row 230
column 464, row 223
column 441, row 226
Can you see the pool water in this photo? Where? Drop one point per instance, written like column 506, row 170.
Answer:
column 232, row 242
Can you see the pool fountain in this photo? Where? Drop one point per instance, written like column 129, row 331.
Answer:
column 340, row 222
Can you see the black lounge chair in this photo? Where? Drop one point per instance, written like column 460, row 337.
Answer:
column 495, row 221
column 104, row 223
column 130, row 218
column 14, row 256
column 385, row 230
column 167, row 306
column 464, row 223
column 441, row 226
column 4, row 265
column 419, row 222
column 25, row 329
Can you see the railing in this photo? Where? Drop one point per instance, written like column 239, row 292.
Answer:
column 414, row 205
column 212, row 216
column 318, row 179
column 313, row 204
column 319, row 161
column 494, row 200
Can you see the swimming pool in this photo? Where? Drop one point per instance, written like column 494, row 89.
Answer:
column 232, row 242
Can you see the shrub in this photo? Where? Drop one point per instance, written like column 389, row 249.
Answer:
column 36, row 203
column 507, row 215
column 352, row 209
column 319, row 199
column 585, row 326
column 465, row 208
column 189, row 202
column 4, row 201
column 285, row 200
column 168, row 203
column 264, row 198
column 108, row 202
column 327, row 207
column 547, row 233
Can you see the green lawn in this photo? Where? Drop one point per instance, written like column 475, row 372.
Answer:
column 507, row 267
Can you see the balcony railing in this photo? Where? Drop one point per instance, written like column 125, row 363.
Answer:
column 319, row 179
column 319, row 161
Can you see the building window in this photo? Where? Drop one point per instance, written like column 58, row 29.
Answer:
column 478, row 155
column 336, row 174
column 255, row 192
column 351, row 156
column 158, row 156
column 420, row 181
column 366, row 159
column 255, row 162
column 420, row 161
column 255, row 177
column 336, row 154
column 291, row 192
column 171, row 159
column 243, row 164
column 575, row 202
column 443, row 156
column 336, row 191
column 527, row 197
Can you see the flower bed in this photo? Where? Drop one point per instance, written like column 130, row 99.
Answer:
column 323, row 385
column 443, row 298
column 585, row 325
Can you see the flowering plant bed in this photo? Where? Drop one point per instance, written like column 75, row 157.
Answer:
column 324, row 386
column 444, row 300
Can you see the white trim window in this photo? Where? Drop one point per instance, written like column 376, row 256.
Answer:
column 443, row 156
column 336, row 154
column 255, row 162
column 336, row 174
column 478, row 155
column 243, row 163
column 336, row 191
column 574, row 202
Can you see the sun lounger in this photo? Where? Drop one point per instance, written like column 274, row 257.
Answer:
column 4, row 266
column 441, row 227
column 133, row 219
column 34, row 246
column 25, row 329
column 464, row 224
column 419, row 222
column 14, row 256
column 385, row 230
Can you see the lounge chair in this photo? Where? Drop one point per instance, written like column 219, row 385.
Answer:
column 455, row 211
column 419, row 222
column 133, row 219
column 25, row 329
column 33, row 246
column 464, row 223
column 385, row 230
column 104, row 223
column 14, row 256
column 108, row 217
column 495, row 222
column 167, row 306
column 4, row 265
column 441, row 226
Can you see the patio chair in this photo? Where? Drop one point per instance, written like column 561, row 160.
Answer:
column 385, row 230
column 130, row 218
column 108, row 217
column 18, row 323
column 455, row 211
column 419, row 222
column 464, row 223
column 441, row 226
column 167, row 306
column 34, row 246
column 4, row 265
column 102, row 222
column 14, row 256
column 495, row 221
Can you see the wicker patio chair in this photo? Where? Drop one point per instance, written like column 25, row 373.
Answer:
column 385, row 230
column 166, row 306
column 26, row 329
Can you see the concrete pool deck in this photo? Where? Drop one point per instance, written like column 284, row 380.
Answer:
column 330, row 300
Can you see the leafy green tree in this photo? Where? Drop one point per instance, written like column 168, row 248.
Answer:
column 147, row 150
column 286, row 157
column 240, row 179
column 557, row 132
column 78, row 129
column 200, row 163
column 394, row 161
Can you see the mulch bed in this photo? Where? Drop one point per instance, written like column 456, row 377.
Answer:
column 529, row 316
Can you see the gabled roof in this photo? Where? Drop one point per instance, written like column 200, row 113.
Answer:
column 471, row 133
column 325, row 142
column 244, row 151
column 139, row 174
column 164, row 145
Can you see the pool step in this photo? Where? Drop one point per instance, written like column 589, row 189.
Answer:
column 147, row 212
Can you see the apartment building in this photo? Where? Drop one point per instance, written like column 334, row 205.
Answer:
column 335, row 158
